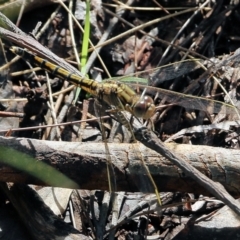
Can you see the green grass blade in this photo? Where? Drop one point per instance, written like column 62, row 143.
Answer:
column 85, row 44
column 38, row 169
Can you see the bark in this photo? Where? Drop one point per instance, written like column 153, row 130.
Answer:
column 85, row 163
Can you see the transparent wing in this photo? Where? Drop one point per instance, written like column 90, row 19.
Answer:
column 164, row 73
column 175, row 70
column 190, row 101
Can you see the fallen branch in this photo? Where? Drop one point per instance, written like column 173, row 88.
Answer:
column 85, row 163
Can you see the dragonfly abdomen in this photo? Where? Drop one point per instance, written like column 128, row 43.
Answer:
column 88, row 85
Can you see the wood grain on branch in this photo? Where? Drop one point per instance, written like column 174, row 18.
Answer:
column 85, row 163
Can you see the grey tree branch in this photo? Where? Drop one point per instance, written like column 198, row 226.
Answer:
column 85, row 163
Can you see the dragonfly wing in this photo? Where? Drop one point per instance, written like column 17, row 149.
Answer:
column 191, row 102
column 199, row 103
column 173, row 71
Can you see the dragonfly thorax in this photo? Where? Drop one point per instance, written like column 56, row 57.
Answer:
column 143, row 107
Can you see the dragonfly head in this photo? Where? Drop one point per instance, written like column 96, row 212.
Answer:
column 144, row 107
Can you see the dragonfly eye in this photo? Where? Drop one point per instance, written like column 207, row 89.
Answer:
column 144, row 108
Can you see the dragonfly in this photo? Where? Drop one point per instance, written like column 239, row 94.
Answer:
column 140, row 106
